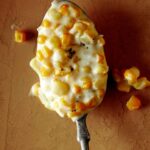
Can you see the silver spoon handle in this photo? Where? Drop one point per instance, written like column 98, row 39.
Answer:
column 83, row 135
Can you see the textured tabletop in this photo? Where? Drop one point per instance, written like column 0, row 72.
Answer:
column 26, row 125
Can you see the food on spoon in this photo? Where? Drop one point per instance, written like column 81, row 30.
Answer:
column 69, row 61
column 133, row 103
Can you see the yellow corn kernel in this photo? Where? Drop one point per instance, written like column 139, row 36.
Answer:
column 64, row 9
column 80, row 107
column 101, row 40
column 66, row 40
column 100, row 93
column 133, row 103
column 70, row 24
column 35, row 89
column 92, row 103
column 47, row 63
column 80, row 27
column 75, row 12
column 35, row 65
column 47, row 52
column 77, row 89
column 86, row 82
column 86, row 69
column 141, row 83
column 55, row 25
column 123, row 86
column 39, row 55
column 46, row 23
column 131, row 74
column 86, row 38
column 45, row 71
column 41, row 39
column 117, row 75
column 100, row 58
column 60, row 88
column 55, row 41
column 99, row 83
column 65, row 103
column 20, row 36
column 101, row 69
column 54, row 14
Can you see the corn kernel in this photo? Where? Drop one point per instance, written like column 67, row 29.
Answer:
column 60, row 88
column 80, row 27
column 99, row 83
column 86, row 69
column 65, row 103
column 47, row 63
column 41, row 39
column 101, row 69
column 20, row 36
column 101, row 40
column 46, row 23
column 133, row 103
column 39, row 55
column 35, row 89
column 66, row 40
column 92, row 103
column 64, row 9
column 77, row 89
column 123, row 86
column 86, row 83
column 35, row 65
column 70, row 23
column 45, row 71
column 100, row 58
column 100, row 93
column 141, row 83
column 54, row 14
column 55, row 41
column 131, row 74
column 80, row 107
column 117, row 75
column 75, row 12
column 47, row 52
column 86, row 38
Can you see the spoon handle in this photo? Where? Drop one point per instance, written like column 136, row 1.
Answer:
column 83, row 135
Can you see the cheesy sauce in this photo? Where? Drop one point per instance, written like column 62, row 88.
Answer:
column 69, row 61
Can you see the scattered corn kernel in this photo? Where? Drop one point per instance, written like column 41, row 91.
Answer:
column 66, row 40
column 46, row 23
column 117, row 75
column 141, row 83
column 47, row 52
column 60, row 88
column 86, row 69
column 64, row 9
column 55, row 41
column 133, row 103
column 77, row 89
column 131, row 74
column 20, row 36
column 45, row 71
column 41, row 39
column 39, row 55
column 123, row 86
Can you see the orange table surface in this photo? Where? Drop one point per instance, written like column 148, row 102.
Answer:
column 24, row 122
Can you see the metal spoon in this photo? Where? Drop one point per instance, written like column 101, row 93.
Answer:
column 83, row 135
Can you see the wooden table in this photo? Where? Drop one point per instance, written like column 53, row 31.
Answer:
column 26, row 125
